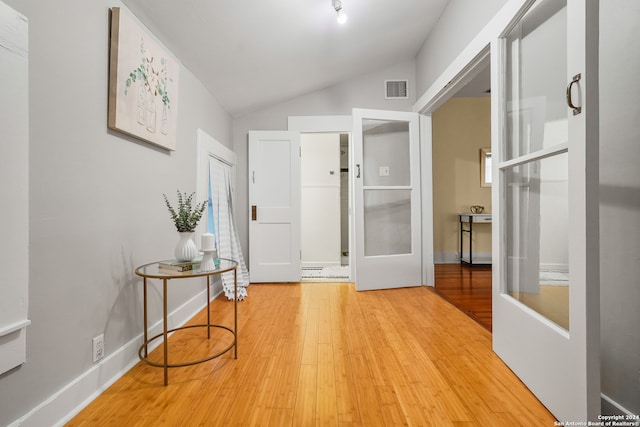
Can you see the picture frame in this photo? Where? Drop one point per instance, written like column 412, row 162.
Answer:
column 143, row 83
column 485, row 167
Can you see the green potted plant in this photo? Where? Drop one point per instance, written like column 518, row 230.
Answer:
column 185, row 217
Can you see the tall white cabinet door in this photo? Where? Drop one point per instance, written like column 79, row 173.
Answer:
column 387, row 199
column 274, row 206
column 545, row 198
column 320, row 181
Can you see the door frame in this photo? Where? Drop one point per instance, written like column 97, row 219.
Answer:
column 462, row 70
column 209, row 147
column 332, row 124
column 344, row 124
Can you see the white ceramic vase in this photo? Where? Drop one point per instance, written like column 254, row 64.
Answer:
column 186, row 249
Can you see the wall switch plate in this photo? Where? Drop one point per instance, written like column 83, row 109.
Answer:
column 384, row 170
column 98, row 347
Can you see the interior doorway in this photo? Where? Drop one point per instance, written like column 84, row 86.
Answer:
column 325, row 195
column 461, row 131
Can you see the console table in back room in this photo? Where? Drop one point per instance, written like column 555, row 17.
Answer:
column 470, row 219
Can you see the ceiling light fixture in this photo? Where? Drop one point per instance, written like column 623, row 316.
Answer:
column 342, row 17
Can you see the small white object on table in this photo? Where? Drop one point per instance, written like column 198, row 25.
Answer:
column 208, row 246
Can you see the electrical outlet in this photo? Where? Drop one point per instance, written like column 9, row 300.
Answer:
column 98, row 347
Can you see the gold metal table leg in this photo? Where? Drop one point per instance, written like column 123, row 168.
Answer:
column 235, row 312
column 164, row 333
column 146, row 348
column 208, row 307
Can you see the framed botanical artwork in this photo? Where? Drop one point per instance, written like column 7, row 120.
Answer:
column 143, row 83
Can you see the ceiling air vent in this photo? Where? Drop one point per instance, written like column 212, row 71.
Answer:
column 396, row 89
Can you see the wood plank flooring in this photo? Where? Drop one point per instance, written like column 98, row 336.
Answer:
column 468, row 288
column 322, row 354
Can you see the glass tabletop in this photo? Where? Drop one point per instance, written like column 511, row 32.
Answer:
column 154, row 270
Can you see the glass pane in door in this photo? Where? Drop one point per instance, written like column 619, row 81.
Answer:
column 536, row 189
column 385, row 153
column 537, row 214
column 387, row 187
column 536, row 81
column 387, row 222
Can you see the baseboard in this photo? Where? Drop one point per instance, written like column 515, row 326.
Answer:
column 611, row 407
column 72, row 398
column 320, row 264
column 446, row 257
column 561, row 268
column 454, row 257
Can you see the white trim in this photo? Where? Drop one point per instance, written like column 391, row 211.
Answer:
column 72, row 398
column 454, row 258
column 317, row 124
column 426, row 176
column 536, row 155
column 6, row 330
column 437, row 97
column 560, row 268
column 333, row 124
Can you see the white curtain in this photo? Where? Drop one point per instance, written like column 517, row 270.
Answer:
column 221, row 223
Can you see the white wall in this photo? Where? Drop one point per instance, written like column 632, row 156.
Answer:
column 365, row 91
column 96, row 208
column 460, row 22
column 620, row 201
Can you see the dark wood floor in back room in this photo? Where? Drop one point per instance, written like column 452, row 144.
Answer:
column 468, row 288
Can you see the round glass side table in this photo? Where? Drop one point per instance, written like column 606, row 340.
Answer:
column 153, row 271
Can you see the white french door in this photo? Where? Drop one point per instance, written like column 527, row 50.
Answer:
column 546, row 254
column 386, row 173
column 274, row 206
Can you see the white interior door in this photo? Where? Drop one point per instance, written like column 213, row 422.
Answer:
column 386, row 177
column 274, row 206
column 546, row 269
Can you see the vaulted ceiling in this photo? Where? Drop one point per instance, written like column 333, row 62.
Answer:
column 253, row 53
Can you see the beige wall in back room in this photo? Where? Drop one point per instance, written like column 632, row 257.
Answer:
column 461, row 127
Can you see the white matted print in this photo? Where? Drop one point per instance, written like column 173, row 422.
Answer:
column 143, row 83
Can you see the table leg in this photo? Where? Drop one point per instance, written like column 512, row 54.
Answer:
column 144, row 292
column 164, row 333
column 235, row 311
column 208, row 307
column 461, row 241
column 471, row 241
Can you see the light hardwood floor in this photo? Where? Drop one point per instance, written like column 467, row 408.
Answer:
column 322, row 354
